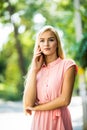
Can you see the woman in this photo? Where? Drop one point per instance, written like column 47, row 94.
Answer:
column 49, row 84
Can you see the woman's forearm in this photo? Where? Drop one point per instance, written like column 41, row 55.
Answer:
column 29, row 96
column 54, row 104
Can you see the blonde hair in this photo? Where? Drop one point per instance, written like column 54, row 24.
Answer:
column 60, row 52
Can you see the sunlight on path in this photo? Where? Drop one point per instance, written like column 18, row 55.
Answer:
column 76, row 113
column 14, row 121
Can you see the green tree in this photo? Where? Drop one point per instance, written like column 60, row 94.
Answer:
column 26, row 17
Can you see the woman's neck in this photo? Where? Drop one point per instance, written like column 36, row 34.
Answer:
column 49, row 59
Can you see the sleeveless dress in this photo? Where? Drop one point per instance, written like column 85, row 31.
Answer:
column 49, row 85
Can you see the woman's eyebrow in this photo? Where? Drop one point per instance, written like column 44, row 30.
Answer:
column 51, row 37
column 48, row 37
column 41, row 38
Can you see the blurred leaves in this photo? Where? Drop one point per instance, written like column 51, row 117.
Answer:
column 26, row 17
column 82, row 52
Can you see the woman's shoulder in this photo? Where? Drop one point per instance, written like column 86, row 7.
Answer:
column 65, row 62
column 68, row 63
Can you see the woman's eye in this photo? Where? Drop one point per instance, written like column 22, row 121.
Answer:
column 51, row 40
column 41, row 40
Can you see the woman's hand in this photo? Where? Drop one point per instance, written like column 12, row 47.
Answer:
column 37, row 60
column 28, row 111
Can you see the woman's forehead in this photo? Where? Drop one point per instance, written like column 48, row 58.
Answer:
column 47, row 33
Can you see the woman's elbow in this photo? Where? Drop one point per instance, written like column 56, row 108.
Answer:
column 67, row 102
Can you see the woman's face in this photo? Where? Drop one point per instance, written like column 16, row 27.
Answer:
column 48, row 43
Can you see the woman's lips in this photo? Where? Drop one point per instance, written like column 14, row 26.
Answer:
column 46, row 49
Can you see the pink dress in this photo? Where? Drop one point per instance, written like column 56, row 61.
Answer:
column 49, row 84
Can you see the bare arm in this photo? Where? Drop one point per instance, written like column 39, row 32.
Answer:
column 65, row 97
column 29, row 96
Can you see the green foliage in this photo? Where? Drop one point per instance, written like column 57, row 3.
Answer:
column 9, row 93
column 2, row 63
column 82, row 52
column 12, row 75
column 21, row 13
column 28, row 44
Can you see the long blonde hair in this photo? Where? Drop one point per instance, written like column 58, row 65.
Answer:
column 60, row 52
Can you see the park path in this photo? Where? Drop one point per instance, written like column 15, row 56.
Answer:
column 13, row 118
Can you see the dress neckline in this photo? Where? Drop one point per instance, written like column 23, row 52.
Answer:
column 51, row 64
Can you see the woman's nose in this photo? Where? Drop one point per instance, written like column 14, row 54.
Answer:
column 46, row 43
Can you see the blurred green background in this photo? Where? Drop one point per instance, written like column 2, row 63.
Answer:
column 19, row 22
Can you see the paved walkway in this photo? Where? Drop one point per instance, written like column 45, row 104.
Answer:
column 13, row 118
column 76, row 113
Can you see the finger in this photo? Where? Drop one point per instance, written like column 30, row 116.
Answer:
column 29, row 112
column 37, row 56
column 41, row 58
column 39, row 52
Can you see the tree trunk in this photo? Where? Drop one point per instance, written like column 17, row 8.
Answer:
column 19, row 50
column 77, row 21
column 17, row 42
